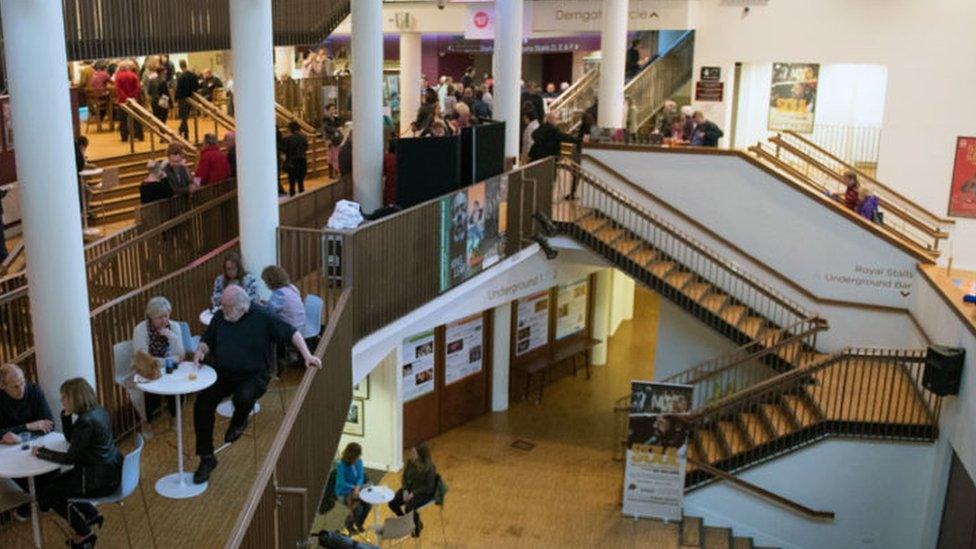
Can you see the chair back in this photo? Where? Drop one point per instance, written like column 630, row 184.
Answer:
column 110, row 178
column 313, row 316
column 188, row 346
column 397, row 527
column 122, row 356
column 131, row 465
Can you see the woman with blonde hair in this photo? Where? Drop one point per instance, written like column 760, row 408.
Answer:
column 160, row 338
column 97, row 463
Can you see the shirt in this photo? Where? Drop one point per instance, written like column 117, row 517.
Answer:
column 127, row 85
column 348, row 477
column 286, row 305
column 16, row 414
column 243, row 348
column 248, row 282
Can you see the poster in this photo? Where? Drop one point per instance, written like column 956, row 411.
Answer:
column 793, row 97
column 464, row 340
column 8, row 127
column 571, row 308
column 532, row 330
column 654, row 474
column 473, row 230
column 417, row 366
column 355, row 422
column 962, row 193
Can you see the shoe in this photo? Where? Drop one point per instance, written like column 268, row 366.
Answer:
column 22, row 513
column 96, row 521
column 234, row 432
column 207, row 465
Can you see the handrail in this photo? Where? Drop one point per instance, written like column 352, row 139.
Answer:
column 288, row 116
column 575, row 89
column 939, row 220
column 762, row 492
column 658, row 81
column 12, row 256
column 579, row 97
column 202, row 104
column 134, row 109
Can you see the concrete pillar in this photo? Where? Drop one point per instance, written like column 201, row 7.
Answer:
column 410, row 59
column 500, row 356
column 366, row 60
column 284, row 60
column 613, row 46
column 257, row 196
column 41, row 116
column 508, row 70
column 602, row 297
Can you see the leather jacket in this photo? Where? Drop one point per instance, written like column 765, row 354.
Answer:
column 91, row 448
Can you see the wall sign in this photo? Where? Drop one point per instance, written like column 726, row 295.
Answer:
column 709, row 91
column 464, row 341
column 480, row 22
column 532, row 330
column 711, row 74
column 962, row 192
column 793, row 97
column 585, row 15
column 571, row 308
column 417, row 367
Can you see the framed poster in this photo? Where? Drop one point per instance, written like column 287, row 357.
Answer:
column 473, row 230
column 571, row 301
column 962, row 192
column 793, row 97
column 464, row 340
column 355, row 423
column 361, row 389
column 532, row 330
column 417, row 367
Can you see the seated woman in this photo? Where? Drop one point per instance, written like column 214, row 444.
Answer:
column 160, row 339
column 97, row 463
column 350, row 479
column 176, row 171
column 285, row 303
column 234, row 273
column 419, row 485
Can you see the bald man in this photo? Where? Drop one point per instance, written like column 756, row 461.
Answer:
column 240, row 339
column 22, row 406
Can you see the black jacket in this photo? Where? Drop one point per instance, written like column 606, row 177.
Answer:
column 546, row 139
column 186, row 83
column 91, row 448
column 16, row 414
column 710, row 133
column 537, row 102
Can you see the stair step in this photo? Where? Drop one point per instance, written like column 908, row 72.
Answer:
column 697, row 290
column 660, row 268
column 714, row 301
column 777, row 417
column 642, row 256
column 810, row 357
column 691, row 532
column 804, row 413
column 717, row 538
column 755, row 428
column 751, row 325
column 789, row 352
column 609, row 234
column 592, row 223
column 769, row 336
column 709, row 445
column 733, row 313
column 679, row 279
column 733, row 437
column 627, row 245
column 742, row 543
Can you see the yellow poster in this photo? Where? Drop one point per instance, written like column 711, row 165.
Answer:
column 793, row 97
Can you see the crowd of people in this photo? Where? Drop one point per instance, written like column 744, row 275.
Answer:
column 687, row 126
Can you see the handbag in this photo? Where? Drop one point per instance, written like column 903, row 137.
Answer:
column 146, row 366
column 163, row 101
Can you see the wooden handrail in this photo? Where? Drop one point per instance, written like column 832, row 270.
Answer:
column 762, row 492
column 136, row 110
column 577, row 88
column 862, row 175
column 289, row 116
column 12, row 256
column 213, row 111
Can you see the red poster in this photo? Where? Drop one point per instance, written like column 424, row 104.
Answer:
column 962, row 194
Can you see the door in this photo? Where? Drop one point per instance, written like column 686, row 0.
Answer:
column 958, row 530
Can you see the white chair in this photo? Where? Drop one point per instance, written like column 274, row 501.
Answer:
column 313, row 316
column 122, row 356
column 395, row 529
column 130, row 481
column 11, row 497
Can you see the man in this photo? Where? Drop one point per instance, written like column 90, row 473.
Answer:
column 532, row 95
column 479, row 107
column 127, row 86
column 187, row 83
column 209, row 83
column 666, row 119
column 551, row 91
column 239, row 339
column 706, row 132
column 547, row 139
column 633, row 59
column 23, row 408
column 468, row 78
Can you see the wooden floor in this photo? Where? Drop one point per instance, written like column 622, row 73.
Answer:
column 566, row 491
column 106, row 144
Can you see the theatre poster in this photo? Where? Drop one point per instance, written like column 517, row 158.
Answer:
column 464, row 340
column 417, row 366
column 473, row 230
column 532, row 330
column 793, row 97
column 571, row 308
column 962, row 194
column 657, row 446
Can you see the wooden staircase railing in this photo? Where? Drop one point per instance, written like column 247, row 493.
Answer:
column 662, row 78
column 220, row 118
column 156, row 128
column 576, row 99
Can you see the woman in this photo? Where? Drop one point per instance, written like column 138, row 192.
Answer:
column 350, row 479
column 419, row 485
column 160, row 339
column 97, row 462
column 286, row 301
column 867, row 203
column 176, row 171
column 159, row 94
column 212, row 165
column 463, row 119
column 234, row 273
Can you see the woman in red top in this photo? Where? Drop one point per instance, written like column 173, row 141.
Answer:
column 851, row 199
column 212, row 165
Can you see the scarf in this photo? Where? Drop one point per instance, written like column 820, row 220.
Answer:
column 158, row 343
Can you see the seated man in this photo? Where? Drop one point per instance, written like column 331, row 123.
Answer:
column 240, row 339
column 23, row 408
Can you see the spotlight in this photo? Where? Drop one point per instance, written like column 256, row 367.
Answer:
column 543, row 243
column 548, row 227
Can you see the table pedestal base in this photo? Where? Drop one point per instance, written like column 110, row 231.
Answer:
column 171, row 487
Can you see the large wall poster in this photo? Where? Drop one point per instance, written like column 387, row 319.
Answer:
column 962, row 193
column 473, row 230
column 793, row 97
column 654, row 475
column 532, row 330
column 417, row 366
column 571, row 308
column 464, row 340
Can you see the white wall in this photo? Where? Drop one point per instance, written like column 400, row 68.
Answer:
column 684, row 341
column 925, row 47
column 875, row 489
column 622, row 300
column 382, row 438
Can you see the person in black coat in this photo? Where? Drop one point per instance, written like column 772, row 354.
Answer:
column 97, row 470
column 547, row 138
column 532, row 94
column 293, row 148
column 23, row 409
column 187, row 83
column 706, row 132
column 633, row 59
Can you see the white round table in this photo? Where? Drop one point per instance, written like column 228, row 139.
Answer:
column 179, row 485
column 376, row 496
column 18, row 463
column 206, row 316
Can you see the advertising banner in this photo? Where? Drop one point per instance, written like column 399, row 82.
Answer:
column 463, row 340
column 962, row 194
column 571, row 308
column 657, row 436
column 480, row 22
column 473, row 230
column 793, row 97
column 532, row 330
column 417, row 366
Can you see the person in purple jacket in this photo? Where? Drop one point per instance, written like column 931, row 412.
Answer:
column 867, row 204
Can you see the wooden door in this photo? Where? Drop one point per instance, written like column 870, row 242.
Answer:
column 958, row 530
column 466, row 374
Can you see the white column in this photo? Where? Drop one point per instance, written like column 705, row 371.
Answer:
column 284, row 60
column 501, row 338
column 41, row 116
column 257, row 195
column 508, row 70
column 602, row 296
column 366, row 60
column 410, row 57
column 613, row 59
